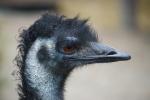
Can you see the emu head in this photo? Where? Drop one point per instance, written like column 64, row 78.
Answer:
column 62, row 44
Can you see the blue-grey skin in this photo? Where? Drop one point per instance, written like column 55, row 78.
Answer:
column 39, row 76
column 48, row 83
column 51, row 48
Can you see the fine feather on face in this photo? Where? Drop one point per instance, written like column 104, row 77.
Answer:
column 60, row 44
column 74, row 42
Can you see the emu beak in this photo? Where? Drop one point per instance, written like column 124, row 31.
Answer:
column 102, row 54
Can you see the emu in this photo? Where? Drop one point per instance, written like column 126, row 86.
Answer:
column 51, row 48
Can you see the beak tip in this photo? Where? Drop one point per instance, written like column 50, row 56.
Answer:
column 129, row 57
column 126, row 56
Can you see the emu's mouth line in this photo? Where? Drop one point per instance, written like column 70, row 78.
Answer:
column 101, row 54
column 100, row 58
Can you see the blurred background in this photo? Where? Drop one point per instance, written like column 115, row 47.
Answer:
column 123, row 24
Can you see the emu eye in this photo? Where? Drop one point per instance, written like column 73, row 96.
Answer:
column 69, row 49
column 68, row 45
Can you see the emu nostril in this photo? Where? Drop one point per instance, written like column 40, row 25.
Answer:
column 111, row 53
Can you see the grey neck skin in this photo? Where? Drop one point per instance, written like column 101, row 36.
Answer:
column 48, row 85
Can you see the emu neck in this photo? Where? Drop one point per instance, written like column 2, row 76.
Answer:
column 42, row 81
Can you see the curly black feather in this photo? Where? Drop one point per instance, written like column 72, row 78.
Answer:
column 46, row 26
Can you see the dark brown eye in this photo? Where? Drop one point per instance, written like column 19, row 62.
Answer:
column 69, row 49
column 68, row 45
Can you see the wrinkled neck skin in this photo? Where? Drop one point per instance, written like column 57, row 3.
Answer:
column 47, row 85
